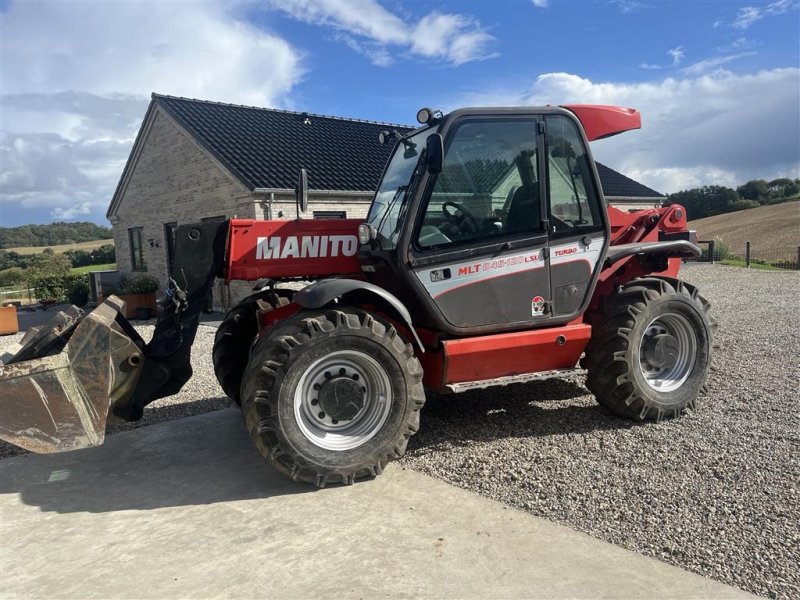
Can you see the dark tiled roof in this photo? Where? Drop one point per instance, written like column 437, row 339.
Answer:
column 616, row 185
column 484, row 177
column 266, row 148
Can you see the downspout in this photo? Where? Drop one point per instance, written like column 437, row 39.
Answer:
column 270, row 199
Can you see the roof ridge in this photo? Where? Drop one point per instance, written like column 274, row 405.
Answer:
column 156, row 96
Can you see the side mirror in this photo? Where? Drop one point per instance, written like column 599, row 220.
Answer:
column 434, row 153
column 301, row 192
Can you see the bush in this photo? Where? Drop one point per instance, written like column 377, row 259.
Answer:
column 78, row 293
column 12, row 277
column 104, row 255
column 46, row 266
column 744, row 205
column 721, row 248
column 99, row 256
column 78, row 258
column 74, row 288
column 50, row 288
column 138, row 284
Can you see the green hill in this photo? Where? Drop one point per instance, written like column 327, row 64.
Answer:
column 53, row 234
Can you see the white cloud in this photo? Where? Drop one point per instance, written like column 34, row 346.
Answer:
column 712, row 63
column 676, row 54
column 720, row 128
column 73, row 212
column 376, row 52
column 77, row 77
column 741, row 43
column 630, row 6
column 455, row 38
column 189, row 49
column 748, row 15
column 366, row 19
column 372, row 30
column 541, row 3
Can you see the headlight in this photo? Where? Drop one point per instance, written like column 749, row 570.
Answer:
column 364, row 234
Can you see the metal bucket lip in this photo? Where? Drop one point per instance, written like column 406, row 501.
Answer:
column 60, row 402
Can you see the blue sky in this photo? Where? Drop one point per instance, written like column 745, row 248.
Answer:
column 718, row 83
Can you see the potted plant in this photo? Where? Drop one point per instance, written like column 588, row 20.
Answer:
column 139, row 294
column 78, row 292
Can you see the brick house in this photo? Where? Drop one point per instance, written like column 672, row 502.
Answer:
column 194, row 160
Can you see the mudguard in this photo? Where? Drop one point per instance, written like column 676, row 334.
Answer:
column 321, row 292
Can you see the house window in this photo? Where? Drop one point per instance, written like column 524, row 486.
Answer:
column 330, row 214
column 169, row 238
column 137, row 250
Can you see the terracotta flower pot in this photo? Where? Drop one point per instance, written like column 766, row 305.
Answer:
column 135, row 301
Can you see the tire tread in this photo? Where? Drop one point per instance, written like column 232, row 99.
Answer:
column 606, row 357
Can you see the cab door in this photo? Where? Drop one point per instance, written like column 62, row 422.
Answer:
column 479, row 246
column 576, row 217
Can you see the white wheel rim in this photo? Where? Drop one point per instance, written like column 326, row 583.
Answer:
column 320, row 428
column 668, row 379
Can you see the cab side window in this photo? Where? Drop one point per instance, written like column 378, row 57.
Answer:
column 573, row 202
column 488, row 187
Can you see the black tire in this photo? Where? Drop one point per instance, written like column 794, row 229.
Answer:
column 235, row 336
column 625, row 372
column 281, row 367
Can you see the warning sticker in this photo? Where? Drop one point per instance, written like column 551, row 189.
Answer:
column 537, row 306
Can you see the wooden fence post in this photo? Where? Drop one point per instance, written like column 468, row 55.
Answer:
column 747, row 254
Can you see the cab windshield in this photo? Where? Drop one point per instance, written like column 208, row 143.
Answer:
column 386, row 211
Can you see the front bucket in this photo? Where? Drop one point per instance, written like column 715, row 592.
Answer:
column 58, row 402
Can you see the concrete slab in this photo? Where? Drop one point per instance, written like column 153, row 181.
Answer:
column 187, row 509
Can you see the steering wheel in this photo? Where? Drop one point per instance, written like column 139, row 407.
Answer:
column 460, row 217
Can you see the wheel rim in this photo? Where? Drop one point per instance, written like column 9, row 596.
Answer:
column 353, row 372
column 675, row 333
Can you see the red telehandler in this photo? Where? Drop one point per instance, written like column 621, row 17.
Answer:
column 488, row 257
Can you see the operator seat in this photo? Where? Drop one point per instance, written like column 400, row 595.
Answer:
column 524, row 212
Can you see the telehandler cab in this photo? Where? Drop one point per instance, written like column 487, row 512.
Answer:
column 488, row 257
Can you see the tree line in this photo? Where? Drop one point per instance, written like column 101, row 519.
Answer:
column 77, row 258
column 16, row 268
column 711, row 200
column 53, row 234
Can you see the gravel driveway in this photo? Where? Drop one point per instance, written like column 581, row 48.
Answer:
column 716, row 492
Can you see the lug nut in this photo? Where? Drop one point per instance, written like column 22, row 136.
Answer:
column 342, row 371
column 335, row 421
column 316, row 386
column 355, row 376
column 327, row 374
column 314, row 402
column 321, row 415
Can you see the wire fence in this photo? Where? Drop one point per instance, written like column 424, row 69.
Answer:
column 750, row 255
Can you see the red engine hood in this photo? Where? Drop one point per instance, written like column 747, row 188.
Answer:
column 304, row 248
column 600, row 121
